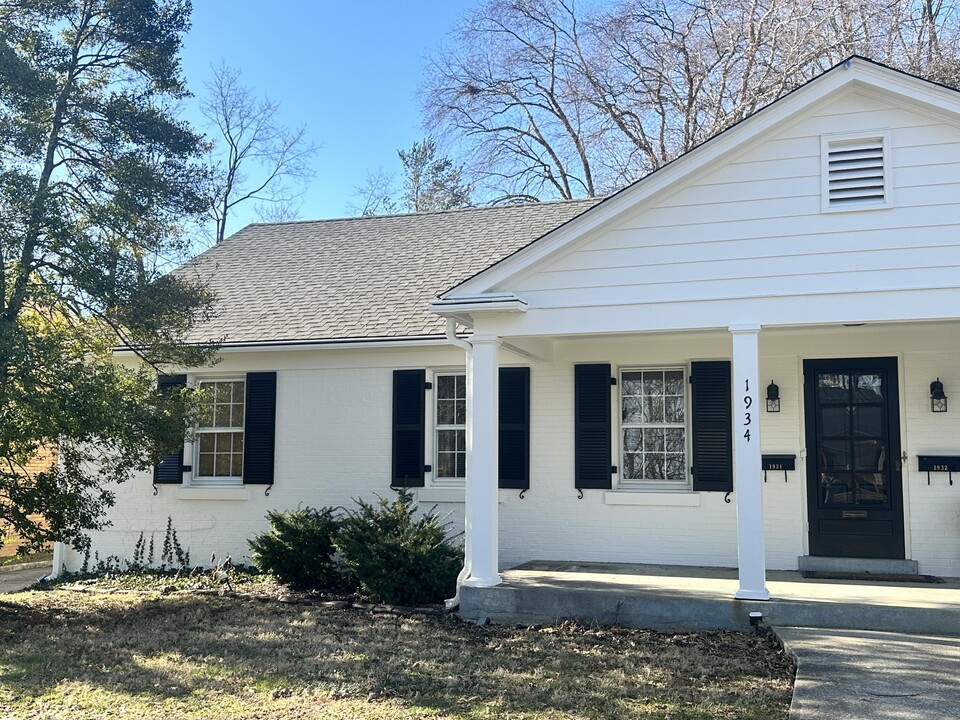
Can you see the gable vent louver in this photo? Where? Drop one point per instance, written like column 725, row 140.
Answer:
column 856, row 173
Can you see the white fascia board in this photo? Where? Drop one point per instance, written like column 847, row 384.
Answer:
column 856, row 73
column 462, row 304
column 290, row 346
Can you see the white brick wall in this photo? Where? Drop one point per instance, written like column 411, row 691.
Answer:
column 333, row 444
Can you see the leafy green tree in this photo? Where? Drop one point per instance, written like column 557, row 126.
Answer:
column 96, row 177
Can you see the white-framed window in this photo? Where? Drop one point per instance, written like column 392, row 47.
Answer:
column 450, row 429
column 653, row 428
column 855, row 171
column 218, row 441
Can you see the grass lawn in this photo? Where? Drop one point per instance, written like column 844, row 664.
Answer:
column 166, row 655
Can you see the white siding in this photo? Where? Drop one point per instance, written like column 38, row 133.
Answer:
column 752, row 228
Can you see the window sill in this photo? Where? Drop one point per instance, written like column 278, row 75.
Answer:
column 212, row 493
column 679, row 498
column 441, row 494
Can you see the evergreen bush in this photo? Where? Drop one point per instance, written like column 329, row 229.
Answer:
column 397, row 557
column 298, row 548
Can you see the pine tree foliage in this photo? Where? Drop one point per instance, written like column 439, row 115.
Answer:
column 97, row 177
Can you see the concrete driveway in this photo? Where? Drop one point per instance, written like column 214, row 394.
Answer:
column 866, row 675
column 14, row 578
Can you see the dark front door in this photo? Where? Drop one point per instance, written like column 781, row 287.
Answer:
column 854, row 480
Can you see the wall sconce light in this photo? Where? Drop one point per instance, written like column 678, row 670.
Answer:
column 773, row 397
column 938, row 401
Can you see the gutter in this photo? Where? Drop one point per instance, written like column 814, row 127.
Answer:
column 451, row 334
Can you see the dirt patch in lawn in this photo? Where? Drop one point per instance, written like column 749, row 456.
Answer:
column 153, row 655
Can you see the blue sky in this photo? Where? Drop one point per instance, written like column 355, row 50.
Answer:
column 348, row 70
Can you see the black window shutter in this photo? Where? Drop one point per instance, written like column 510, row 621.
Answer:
column 409, row 411
column 259, row 433
column 592, row 426
column 514, row 439
column 712, row 427
column 169, row 471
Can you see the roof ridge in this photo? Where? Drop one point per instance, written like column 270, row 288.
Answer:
column 476, row 208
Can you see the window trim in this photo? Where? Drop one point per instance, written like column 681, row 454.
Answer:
column 195, row 479
column 433, row 479
column 653, row 486
column 830, row 139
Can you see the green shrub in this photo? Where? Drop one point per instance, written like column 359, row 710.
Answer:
column 398, row 558
column 298, row 548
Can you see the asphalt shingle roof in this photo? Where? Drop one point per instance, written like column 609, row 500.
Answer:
column 358, row 278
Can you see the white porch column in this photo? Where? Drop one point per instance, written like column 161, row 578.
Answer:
column 483, row 386
column 748, row 473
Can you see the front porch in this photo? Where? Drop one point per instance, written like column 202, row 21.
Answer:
column 668, row 597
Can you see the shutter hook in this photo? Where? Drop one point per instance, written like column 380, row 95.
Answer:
column 156, row 490
column 726, row 498
column 266, row 493
column 579, row 493
column 522, row 492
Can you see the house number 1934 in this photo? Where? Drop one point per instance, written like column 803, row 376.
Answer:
column 747, row 404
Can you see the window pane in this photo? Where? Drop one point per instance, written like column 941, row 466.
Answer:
column 632, row 383
column 673, row 382
column 461, row 386
column 446, row 386
column 446, row 440
column 653, row 466
column 871, row 455
column 222, row 465
column 673, row 410
column 446, row 465
column 206, row 442
column 633, row 466
column 206, row 464
column 461, row 440
column 461, row 412
column 653, row 439
column 676, row 469
column 461, row 465
column 632, row 440
column 223, row 392
column 675, row 440
column 653, row 383
column 238, row 393
column 632, row 410
column 653, row 409
column 236, row 416
column 445, row 412
column 238, row 442
column 205, row 418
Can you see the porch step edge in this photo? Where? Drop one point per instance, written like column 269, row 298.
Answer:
column 858, row 565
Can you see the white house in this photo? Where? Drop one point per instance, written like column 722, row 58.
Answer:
column 613, row 359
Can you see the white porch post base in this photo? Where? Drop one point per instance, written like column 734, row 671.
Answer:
column 482, row 452
column 748, row 484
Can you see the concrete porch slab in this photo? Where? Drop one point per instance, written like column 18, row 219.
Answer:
column 689, row 598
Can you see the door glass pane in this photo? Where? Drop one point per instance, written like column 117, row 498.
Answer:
column 870, row 455
column 871, row 489
column 868, row 421
column 869, row 388
column 836, row 489
column 835, row 421
column 833, row 387
column 835, row 455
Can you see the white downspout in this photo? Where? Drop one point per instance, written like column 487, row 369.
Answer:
column 451, row 333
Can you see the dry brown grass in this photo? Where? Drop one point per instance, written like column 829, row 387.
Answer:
column 150, row 655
